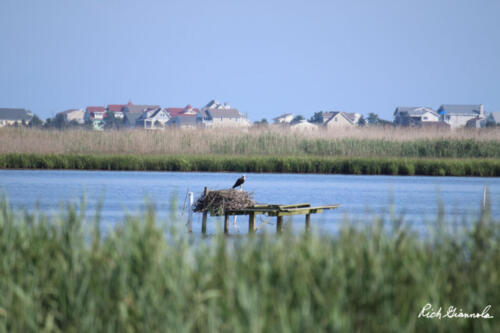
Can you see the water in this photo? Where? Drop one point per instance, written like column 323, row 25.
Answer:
column 126, row 193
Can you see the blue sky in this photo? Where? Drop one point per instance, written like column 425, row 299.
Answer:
column 263, row 57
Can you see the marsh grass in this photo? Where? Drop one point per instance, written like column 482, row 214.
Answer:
column 280, row 164
column 364, row 142
column 60, row 274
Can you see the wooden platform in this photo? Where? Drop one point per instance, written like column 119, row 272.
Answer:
column 272, row 210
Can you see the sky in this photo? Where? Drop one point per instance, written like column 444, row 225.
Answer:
column 265, row 57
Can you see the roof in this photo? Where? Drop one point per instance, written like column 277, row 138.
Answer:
column 304, row 124
column 116, row 107
column 140, row 108
column 414, row 111
column 150, row 115
column 284, row 115
column 224, row 113
column 132, row 117
column 350, row 117
column 471, row 109
column 15, row 114
column 212, row 104
column 70, row 111
column 174, row 112
column 473, row 120
column 96, row 109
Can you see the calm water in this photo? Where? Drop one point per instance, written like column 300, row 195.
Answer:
column 126, row 192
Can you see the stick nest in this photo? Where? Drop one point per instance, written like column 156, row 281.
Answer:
column 217, row 202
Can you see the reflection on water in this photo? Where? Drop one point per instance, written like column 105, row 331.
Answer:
column 127, row 192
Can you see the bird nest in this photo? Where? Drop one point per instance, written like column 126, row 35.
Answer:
column 217, row 202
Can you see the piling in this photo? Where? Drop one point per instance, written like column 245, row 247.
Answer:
column 251, row 222
column 226, row 223
column 204, row 219
column 190, row 213
column 279, row 223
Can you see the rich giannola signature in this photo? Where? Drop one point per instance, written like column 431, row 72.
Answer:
column 429, row 312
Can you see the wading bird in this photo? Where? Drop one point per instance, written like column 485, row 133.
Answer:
column 239, row 182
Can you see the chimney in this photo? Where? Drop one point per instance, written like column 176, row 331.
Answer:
column 481, row 110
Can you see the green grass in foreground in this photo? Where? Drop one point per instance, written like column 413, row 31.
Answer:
column 61, row 275
column 326, row 165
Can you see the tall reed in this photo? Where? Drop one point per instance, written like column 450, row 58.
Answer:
column 366, row 142
column 60, row 274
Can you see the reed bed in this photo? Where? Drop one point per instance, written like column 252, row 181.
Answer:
column 362, row 142
column 215, row 163
column 59, row 274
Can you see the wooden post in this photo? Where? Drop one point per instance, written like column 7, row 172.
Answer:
column 190, row 213
column 251, row 222
column 226, row 223
column 308, row 221
column 204, row 220
column 279, row 223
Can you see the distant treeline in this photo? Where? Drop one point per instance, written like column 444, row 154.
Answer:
column 323, row 165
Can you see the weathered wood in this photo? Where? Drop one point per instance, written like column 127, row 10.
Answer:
column 294, row 206
column 295, row 212
column 226, row 223
column 244, row 212
column 251, row 222
column 204, row 219
column 279, row 223
column 270, row 210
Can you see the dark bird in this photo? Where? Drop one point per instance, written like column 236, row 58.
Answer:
column 239, row 182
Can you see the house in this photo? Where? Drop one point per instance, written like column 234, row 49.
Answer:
column 414, row 116
column 77, row 115
column 116, row 110
column 477, row 122
column 95, row 115
column 132, row 112
column 215, row 114
column 14, row 116
column 185, row 117
column 153, row 119
column 284, row 119
column 493, row 119
column 335, row 119
column 342, row 120
column 458, row 115
column 303, row 125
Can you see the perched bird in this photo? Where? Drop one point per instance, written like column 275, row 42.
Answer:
column 239, row 182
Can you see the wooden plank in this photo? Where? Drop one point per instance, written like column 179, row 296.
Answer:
column 308, row 221
column 326, row 207
column 294, row 206
column 247, row 211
